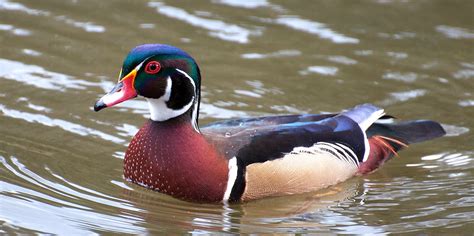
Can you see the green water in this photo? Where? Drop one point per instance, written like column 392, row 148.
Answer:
column 61, row 163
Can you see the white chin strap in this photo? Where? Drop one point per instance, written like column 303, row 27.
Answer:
column 159, row 111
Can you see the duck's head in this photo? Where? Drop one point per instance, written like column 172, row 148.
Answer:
column 166, row 76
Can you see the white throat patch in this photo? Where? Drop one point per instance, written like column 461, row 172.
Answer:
column 159, row 111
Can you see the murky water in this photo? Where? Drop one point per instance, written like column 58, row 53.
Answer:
column 61, row 163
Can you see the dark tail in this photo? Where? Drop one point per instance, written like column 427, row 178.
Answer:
column 387, row 139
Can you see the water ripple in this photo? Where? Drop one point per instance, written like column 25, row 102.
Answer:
column 35, row 210
column 409, row 77
column 39, row 77
column 464, row 74
column 14, row 30
column 39, row 108
column 444, row 160
column 454, row 32
column 147, row 25
column 403, row 96
column 363, row 52
column 13, row 6
column 212, row 111
column 453, row 130
column 244, row 4
column 342, row 60
column 322, row 70
column 247, row 93
column 398, row 36
column 315, row 28
column 31, row 52
column 127, row 130
column 63, row 124
column 280, row 53
column 87, row 26
column 217, row 28
column 397, row 55
column 466, row 103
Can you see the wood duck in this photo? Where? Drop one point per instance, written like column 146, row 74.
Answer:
column 250, row 158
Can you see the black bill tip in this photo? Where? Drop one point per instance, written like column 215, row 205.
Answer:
column 99, row 105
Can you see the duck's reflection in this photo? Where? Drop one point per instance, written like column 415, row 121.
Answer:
column 279, row 214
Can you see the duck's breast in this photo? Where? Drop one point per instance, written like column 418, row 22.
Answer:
column 176, row 160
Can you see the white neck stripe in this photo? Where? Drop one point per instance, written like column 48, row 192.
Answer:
column 196, row 101
column 231, row 178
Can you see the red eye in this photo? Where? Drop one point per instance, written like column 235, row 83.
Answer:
column 152, row 67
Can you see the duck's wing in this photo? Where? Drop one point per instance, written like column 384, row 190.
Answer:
column 284, row 133
column 276, row 148
column 273, row 142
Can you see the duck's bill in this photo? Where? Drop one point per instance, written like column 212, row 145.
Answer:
column 123, row 91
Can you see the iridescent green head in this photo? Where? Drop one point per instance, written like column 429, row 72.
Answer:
column 157, row 61
column 166, row 76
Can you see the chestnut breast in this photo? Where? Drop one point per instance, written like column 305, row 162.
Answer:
column 172, row 158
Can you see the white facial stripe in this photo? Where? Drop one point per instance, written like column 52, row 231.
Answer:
column 187, row 76
column 136, row 68
column 141, row 64
column 231, row 179
column 120, row 74
column 169, row 85
column 196, row 102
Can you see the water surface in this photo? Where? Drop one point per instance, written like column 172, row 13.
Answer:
column 61, row 163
